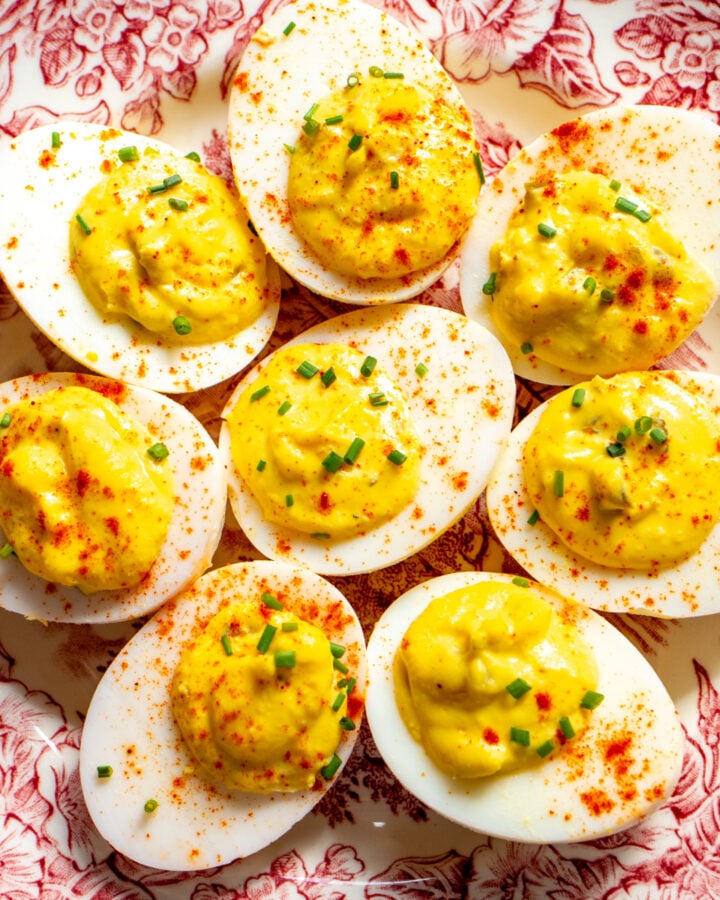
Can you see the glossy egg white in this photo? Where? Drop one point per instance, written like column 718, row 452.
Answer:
column 552, row 802
column 671, row 156
column 40, row 190
column 462, row 410
column 690, row 588
column 277, row 80
column 130, row 727
column 195, row 526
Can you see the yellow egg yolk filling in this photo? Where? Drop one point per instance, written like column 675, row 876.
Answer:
column 168, row 244
column 625, row 470
column 489, row 678
column 260, row 700
column 590, row 278
column 325, row 442
column 382, row 181
column 82, row 501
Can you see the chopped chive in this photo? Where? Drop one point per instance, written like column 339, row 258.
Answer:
column 172, row 180
column 328, row 376
column 311, row 112
column 340, row 666
column 559, row 483
column 193, row 156
column 333, row 462
column 643, row 425
column 354, row 142
column 616, row 449
column 150, row 806
column 331, row 768
column 333, row 120
column 393, row 75
column 520, row 581
column 397, row 457
column 261, row 465
column 178, row 204
column 614, row 185
column 578, row 397
column 337, row 650
column 271, row 601
column 284, row 659
column 479, row 166
column 589, row 284
column 376, row 71
column 520, row 736
column 421, row 369
column 545, row 749
column 158, row 451
column 623, row 433
column 288, row 28
column 182, row 325
column 311, row 127
column 320, row 535
column 6, row 550
column 394, row 180
column 642, row 214
column 534, row 517
column 338, row 701
column 517, row 688
column 592, row 700
column 266, row 637
column 104, row 771
column 83, row 224
column 227, row 646
column 624, row 205
column 5, row 420
column 346, row 723
column 659, row 435
column 289, row 500
column 157, row 188
column 526, row 348
column 489, row 287
column 260, row 392
column 289, row 626
column 128, row 154
column 351, row 682
column 566, row 727
column 284, row 407
column 546, row 230
column 306, row 369
column 368, row 366
column 607, row 295
column 289, row 148
column 353, row 80
column 378, row 398
column 55, row 140
column 353, row 451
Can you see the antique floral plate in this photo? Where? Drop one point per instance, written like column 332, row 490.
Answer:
column 163, row 68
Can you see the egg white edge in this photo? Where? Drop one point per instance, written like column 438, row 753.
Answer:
column 195, row 527
column 671, row 593
column 515, row 806
column 35, row 229
column 396, row 336
column 204, row 826
column 679, row 186
column 266, row 116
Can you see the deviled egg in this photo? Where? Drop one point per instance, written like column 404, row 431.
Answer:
column 367, row 436
column 490, row 689
column 352, row 150
column 112, row 498
column 592, row 252
column 163, row 800
column 149, row 271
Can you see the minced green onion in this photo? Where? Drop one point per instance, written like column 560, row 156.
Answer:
column 421, row 369
column 624, row 205
column 592, row 700
column 331, row 768
column 311, row 127
column 520, row 581
column 328, row 376
column 616, row 449
column 367, row 366
column 526, row 348
column 285, row 659
column 546, row 230
column 6, row 550
column 288, row 28
column 393, row 75
column 55, row 140
column 227, row 646
column 320, row 535
column 266, row 637
column 642, row 214
column 5, row 420
column 520, row 736
column 376, row 71
column 289, row 626
column 311, row 112
column 545, row 749
column 260, row 392
column 261, row 465
column 355, row 141
column 284, row 407
column 623, row 433
column 643, row 424
column 289, row 500
column 128, row 154
column 337, row 650
column 578, row 397
column 394, row 180
column 607, row 295
column 353, row 80
column 306, row 369
column 397, row 457
column 289, row 148
column 178, row 204
column 589, row 284
column 559, row 483
column 614, row 185
column 346, row 723
column 353, row 451
column 182, row 325
column 270, row 600
column 566, row 727
column 150, row 806
column 333, row 462
column 158, row 451
column 193, row 155
column 534, row 517
column 351, row 682
column 338, row 701
column 378, row 398
column 659, row 435
column 517, row 688
column 104, row 771
column 172, row 180
column 489, row 287
column 334, row 120
column 340, row 666
column 479, row 167
column 83, row 224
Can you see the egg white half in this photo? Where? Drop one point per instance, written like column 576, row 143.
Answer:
column 690, row 588
column 462, row 410
column 130, row 727
column 195, row 526
column 40, row 190
column 543, row 804
column 670, row 156
column 277, row 80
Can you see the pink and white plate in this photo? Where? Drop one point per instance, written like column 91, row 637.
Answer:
column 163, row 68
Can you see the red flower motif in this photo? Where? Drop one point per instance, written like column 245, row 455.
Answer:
column 174, row 40
column 692, row 60
column 98, row 22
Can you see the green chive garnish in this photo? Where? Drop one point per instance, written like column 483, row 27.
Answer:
column 520, row 736
column 394, row 180
column 526, row 348
column 83, row 224
column 178, row 203
column 559, row 483
column 534, row 517
column 393, row 75
column 340, row 666
column 623, row 433
column 624, row 205
column 643, row 425
column 378, row 398
column 150, row 806
column 172, row 180
column 331, row 768
column 288, row 28
column 284, row 659
column 489, row 287
column 311, row 112
column 284, row 407
column 320, row 535
column 260, row 392
column 328, row 376
column 351, row 682
column 578, row 397
column 5, row 420
column 517, row 688
column 545, row 749
column 157, row 188
column 306, row 369
column 55, row 139
column 266, row 637
column 182, row 325
column 289, row 148
column 659, row 435
column 589, row 284
column 332, row 462
column 546, row 230
column 289, row 626
column 367, row 366
column 227, row 646
column 614, row 185
column 421, row 369
column 397, row 457
column 311, row 127
column 642, row 214
column 289, row 500
column 271, row 601
column 616, row 449
column 354, row 142
column 338, row 701
column 479, row 166
column 520, row 581
column 128, row 154
column 158, row 451
column 592, row 700
column 337, row 650
column 104, row 771
column 6, row 550
column 193, row 156
column 346, row 723
column 333, row 120
column 261, row 465
column 353, row 451
column 566, row 727
column 376, row 71
column 353, row 80
column 607, row 295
